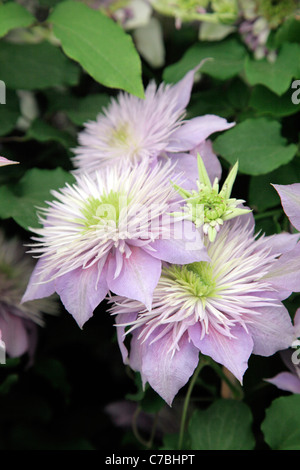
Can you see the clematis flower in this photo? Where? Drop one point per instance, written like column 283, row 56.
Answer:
column 18, row 322
column 110, row 233
column 132, row 130
column 225, row 308
column 290, row 380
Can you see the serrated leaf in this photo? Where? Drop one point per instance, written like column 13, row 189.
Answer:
column 257, row 144
column 281, row 426
column 35, row 66
column 13, row 15
column 227, row 60
column 100, row 45
column 276, row 76
column 32, row 191
column 225, row 425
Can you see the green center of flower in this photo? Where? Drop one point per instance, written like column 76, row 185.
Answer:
column 196, row 279
column 120, row 135
column 103, row 211
column 213, row 205
column 208, row 207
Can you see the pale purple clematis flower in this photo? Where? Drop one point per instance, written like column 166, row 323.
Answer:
column 18, row 322
column 132, row 130
column 111, row 232
column 225, row 308
column 290, row 380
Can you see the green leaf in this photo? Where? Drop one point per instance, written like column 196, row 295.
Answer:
column 225, row 425
column 228, row 60
column 257, row 144
column 32, row 191
column 44, row 132
column 35, row 66
column 262, row 195
column 289, row 31
column 281, row 426
column 276, row 76
column 100, row 45
column 9, row 113
column 13, row 15
column 267, row 103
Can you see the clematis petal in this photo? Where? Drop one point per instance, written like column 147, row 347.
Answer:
column 285, row 274
column 231, row 352
column 37, row 288
column 125, row 318
column 167, row 373
column 265, row 328
column 4, row 161
column 286, row 381
column 195, row 131
column 290, row 200
column 185, row 247
column 14, row 334
column 138, row 277
column 81, row 292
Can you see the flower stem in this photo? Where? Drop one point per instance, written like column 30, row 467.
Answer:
column 201, row 364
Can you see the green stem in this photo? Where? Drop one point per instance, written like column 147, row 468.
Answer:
column 264, row 215
column 201, row 364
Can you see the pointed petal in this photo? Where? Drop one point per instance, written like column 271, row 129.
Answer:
column 271, row 330
column 286, row 381
column 138, row 277
column 182, row 90
column 4, row 161
column 124, row 318
column 282, row 242
column 195, row 131
column 81, row 292
column 290, row 200
column 210, row 160
column 185, row 246
column 233, row 353
column 297, row 323
column 167, row 373
column 14, row 334
column 35, row 290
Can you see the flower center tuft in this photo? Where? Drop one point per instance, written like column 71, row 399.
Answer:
column 103, row 211
column 195, row 279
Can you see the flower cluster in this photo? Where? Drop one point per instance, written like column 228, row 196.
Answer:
column 146, row 226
